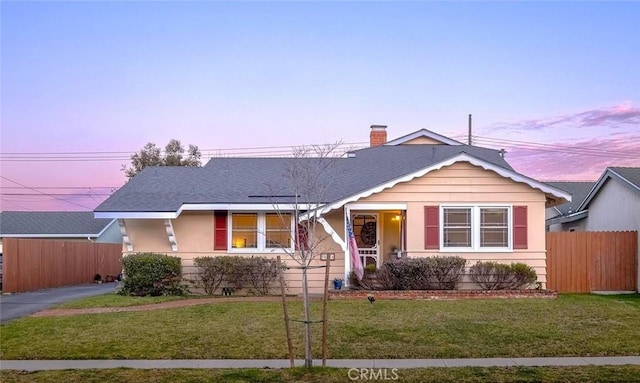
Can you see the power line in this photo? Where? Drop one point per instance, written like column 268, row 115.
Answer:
column 38, row 191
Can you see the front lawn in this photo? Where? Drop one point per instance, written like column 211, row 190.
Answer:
column 571, row 325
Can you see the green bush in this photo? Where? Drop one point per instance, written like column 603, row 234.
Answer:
column 500, row 276
column 257, row 274
column 152, row 274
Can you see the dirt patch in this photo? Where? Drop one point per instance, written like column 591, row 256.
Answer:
column 155, row 306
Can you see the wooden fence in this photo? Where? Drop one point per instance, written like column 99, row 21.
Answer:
column 33, row 264
column 582, row 262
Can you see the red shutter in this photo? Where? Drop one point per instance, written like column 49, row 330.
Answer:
column 519, row 227
column 431, row 227
column 302, row 240
column 220, row 231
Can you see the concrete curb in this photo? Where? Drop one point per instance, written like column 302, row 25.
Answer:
column 38, row 365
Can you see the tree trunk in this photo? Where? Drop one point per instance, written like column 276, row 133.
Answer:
column 308, row 357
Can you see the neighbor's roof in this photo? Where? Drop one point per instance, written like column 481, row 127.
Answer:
column 258, row 180
column 629, row 177
column 51, row 224
column 578, row 191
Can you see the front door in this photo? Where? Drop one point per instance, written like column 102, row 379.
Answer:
column 365, row 229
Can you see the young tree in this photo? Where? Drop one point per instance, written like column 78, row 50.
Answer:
column 151, row 155
column 307, row 179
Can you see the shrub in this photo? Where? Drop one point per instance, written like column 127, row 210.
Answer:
column 441, row 273
column 213, row 270
column 434, row 273
column 500, row 276
column 262, row 272
column 256, row 273
column 152, row 274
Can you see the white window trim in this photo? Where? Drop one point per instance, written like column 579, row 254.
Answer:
column 475, row 229
column 262, row 235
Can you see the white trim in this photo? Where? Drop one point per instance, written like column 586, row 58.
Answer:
column 424, row 133
column 136, row 215
column 462, row 157
column 475, row 228
column 171, row 234
column 261, row 236
column 48, row 236
column 205, row 207
column 329, row 229
column 125, row 237
column 378, row 206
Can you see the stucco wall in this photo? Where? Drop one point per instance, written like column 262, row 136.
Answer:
column 615, row 208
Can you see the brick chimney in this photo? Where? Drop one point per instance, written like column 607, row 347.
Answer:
column 378, row 135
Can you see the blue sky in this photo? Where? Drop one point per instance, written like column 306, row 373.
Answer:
column 111, row 76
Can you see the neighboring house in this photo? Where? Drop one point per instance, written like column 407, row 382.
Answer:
column 613, row 204
column 567, row 217
column 422, row 194
column 67, row 225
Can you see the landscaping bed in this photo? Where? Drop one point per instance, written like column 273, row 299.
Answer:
column 441, row 294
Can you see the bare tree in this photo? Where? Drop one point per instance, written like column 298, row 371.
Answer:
column 307, row 180
column 151, row 155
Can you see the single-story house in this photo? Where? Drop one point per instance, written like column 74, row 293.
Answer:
column 419, row 195
column 567, row 217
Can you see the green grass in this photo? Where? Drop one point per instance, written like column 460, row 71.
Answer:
column 332, row 375
column 571, row 325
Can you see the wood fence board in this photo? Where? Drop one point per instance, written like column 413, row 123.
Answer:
column 581, row 262
column 34, row 264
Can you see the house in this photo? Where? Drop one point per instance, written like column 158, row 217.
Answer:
column 613, row 204
column 419, row 195
column 67, row 225
column 567, row 217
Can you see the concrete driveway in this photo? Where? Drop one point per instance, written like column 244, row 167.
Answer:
column 18, row 305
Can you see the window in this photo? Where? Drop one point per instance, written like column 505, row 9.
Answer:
column 456, row 228
column 244, row 230
column 476, row 227
column 494, row 227
column 260, row 231
column 278, row 230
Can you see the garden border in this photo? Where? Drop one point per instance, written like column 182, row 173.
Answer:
column 440, row 294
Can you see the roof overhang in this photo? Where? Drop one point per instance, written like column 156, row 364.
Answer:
column 608, row 174
column 61, row 235
column 203, row 207
column 559, row 196
column 569, row 218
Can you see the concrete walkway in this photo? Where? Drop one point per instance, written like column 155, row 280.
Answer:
column 37, row 365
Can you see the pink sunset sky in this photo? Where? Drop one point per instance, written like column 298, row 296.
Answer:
column 85, row 84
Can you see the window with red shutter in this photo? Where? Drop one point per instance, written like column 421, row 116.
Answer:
column 220, row 230
column 520, row 227
column 302, row 240
column 431, row 227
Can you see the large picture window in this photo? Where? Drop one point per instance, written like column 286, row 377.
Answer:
column 260, row 231
column 476, row 227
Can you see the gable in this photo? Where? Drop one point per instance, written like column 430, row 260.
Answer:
column 422, row 140
column 423, row 136
column 459, row 182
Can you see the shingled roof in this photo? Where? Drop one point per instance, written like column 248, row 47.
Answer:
column 257, row 180
column 51, row 223
column 578, row 191
column 629, row 177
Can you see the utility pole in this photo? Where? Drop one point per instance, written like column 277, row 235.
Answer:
column 469, row 137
